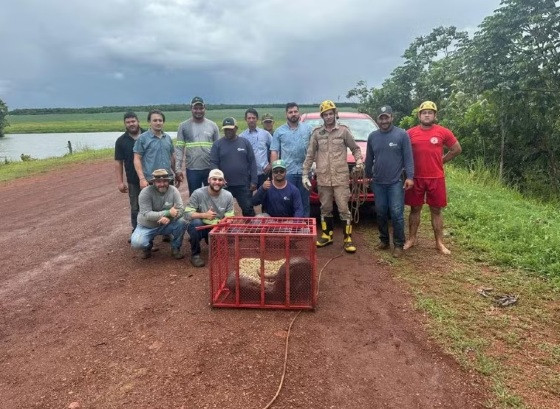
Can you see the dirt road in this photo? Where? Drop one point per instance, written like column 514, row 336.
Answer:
column 84, row 319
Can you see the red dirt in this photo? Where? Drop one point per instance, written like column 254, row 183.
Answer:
column 84, row 319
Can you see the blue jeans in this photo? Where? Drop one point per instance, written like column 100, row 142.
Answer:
column 133, row 192
column 389, row 200
column 143, row 237
column 295, row 179
column 195, row 236
column 196, row 179
column 243, row 196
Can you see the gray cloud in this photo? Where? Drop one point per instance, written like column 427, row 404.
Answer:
column 116, row 52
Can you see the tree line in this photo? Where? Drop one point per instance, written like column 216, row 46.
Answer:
column 499, row 92
column 163, row 107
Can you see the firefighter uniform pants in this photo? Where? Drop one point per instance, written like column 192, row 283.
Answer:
column 340, row 194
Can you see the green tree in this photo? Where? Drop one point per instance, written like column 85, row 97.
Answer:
column 427, row 73
column 3, row 117
column 514, row 60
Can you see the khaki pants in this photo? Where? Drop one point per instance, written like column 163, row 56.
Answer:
column 341, row 196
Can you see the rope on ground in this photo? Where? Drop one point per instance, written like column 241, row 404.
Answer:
column 358, row 192
column 288, row 337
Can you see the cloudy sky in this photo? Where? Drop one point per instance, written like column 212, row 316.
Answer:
column 60, row 53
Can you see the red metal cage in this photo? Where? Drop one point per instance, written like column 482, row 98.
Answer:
column 263, row 262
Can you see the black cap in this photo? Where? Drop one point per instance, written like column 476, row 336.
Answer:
column 197, row 100
column 384, row 110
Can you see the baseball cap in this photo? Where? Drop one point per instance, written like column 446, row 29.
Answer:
column 216, row 173
column 196, row 100
column 384, row 110
column 267, row 117
column 229, row 123
column 278, row 164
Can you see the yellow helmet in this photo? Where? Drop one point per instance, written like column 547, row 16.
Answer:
column 326, row 105
column 427, row 105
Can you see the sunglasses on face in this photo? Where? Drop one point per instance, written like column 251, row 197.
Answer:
column 278, row 171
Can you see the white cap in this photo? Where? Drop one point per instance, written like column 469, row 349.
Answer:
column 216, row 173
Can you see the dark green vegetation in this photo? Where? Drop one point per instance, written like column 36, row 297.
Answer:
column 3, row 117
column 163, row 107
column 499, row 92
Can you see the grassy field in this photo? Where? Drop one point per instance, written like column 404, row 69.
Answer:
column 108, row 122
column 507, row 244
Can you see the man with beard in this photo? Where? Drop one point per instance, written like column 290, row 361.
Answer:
column 161, row 211
column 289, row 143
column 154, row 149
column 194, row 141
column 279, row 198
column 428, row 140
column 260, row 141
column 124, row 160
column 327, row 148
column 234, row 156
column 207, row 206
column 388, row 154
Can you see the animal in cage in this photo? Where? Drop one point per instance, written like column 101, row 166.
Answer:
column 300, row 276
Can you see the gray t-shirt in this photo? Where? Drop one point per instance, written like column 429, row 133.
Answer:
column 194, row 141
column 201, row 201
column 153, row 205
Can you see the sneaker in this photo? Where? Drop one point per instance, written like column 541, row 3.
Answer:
column 176, row 254
column 382, row 246
column 166, row 238
column 397, row 252
column 197, row 261
column 146, row 253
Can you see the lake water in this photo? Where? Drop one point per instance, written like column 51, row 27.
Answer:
column 41, row 146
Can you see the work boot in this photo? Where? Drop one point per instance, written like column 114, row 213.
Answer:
column 397, row 252
column 176, row 254
column 382, row 246
column 146, row 253
column 197, row 261
column 349, row 246
column 327, row 232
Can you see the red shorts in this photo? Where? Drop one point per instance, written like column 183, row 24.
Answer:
column 429, row 191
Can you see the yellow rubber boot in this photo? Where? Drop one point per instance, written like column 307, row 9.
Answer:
column 349, row 246
column 327, row 232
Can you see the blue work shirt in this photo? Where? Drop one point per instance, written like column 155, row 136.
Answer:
column 388, row 153
column 156, row 152
column 260, row 141
column 291, row 145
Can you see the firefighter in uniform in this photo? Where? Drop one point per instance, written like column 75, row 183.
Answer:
column 327, row 147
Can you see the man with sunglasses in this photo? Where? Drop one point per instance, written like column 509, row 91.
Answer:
column 279, row 198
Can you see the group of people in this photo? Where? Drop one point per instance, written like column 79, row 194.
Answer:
column 270, row 168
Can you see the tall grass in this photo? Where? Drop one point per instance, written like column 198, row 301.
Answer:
column 501, row 226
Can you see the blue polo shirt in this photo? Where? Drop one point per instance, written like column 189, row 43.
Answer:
column 291, row 145
column 260, row 141
column 156, row 152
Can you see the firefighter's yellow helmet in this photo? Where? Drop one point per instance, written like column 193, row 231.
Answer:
column 427, row 105
column 326, row 105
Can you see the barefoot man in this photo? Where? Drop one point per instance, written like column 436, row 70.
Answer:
column 428, row 140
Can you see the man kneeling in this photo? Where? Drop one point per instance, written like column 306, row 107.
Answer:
column 161, row 211
column 207, row 206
